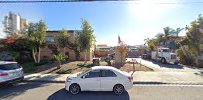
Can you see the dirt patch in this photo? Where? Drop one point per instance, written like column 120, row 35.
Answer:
column 129, row 67
column 51, row 67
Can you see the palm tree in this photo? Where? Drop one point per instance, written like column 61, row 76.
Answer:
column 177, row 31
column 167, row 31
column 59, row 58
column 160, row 37
column 167, row 34
column 146, row 41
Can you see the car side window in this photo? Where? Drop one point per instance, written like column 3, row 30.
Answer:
column 93, row 74
column 108, row 73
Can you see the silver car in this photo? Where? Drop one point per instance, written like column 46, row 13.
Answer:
column 10, row 72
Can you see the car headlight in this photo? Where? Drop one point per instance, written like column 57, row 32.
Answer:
column 69, row 80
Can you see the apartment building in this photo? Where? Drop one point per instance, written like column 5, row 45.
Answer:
column 46, row 53
column 14, row 24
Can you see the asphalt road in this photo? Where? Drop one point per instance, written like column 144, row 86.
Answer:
column 55, row 91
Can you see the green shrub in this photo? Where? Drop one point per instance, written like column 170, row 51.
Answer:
column 29, row 67
column 185, row 56
column 64, row 71
column 84, row 65
column 43, row 62
column 102, row 59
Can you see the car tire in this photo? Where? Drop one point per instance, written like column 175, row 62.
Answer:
column 74, row 89
column 163, row 60
column 118, row 89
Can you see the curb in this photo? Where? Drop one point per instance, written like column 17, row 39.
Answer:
column 44, row 81
column 134, row 83
column 163, row 83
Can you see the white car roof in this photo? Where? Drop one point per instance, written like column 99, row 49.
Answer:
column 104, row 67
column 163, row 48
column 6, row 62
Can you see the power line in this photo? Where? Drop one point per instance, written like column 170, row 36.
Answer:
column 41, row 1
column 103, row 1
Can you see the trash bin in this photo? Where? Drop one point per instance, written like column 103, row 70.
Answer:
column 96, row 62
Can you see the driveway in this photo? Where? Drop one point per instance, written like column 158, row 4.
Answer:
column 157, row 66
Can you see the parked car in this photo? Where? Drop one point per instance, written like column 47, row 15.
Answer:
column 99, row 78
column 10, row 72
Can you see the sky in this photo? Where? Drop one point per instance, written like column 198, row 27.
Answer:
column 133, row 21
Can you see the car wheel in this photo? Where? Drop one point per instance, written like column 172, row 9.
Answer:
column 74, row 89
column 118, row 89
column 163, row 60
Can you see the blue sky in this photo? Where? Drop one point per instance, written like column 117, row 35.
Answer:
column 133, row 21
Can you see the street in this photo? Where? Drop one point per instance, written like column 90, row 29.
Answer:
column 55, row 91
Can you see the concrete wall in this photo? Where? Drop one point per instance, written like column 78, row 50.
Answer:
column 102, row 53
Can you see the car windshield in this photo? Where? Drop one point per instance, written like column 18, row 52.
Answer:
column 81, row 73
column 166, row 50
column 9, row 66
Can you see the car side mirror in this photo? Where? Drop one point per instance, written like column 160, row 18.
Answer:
column 83, row 77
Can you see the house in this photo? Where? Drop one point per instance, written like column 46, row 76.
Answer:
column 170, row 43
column 46, row 53
column 103, row 50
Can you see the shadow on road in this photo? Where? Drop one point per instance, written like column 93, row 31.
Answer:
column 167, row 65
column 200, row 73
column 62, row 94
column 9, row 91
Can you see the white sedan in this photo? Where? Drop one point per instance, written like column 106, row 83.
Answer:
column 99, row 78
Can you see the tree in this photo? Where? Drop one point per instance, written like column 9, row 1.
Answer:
column 191, row 45
column 15, row 55
column 167, row 31
column 53, row 48
column 19, row 49
column 36, row 34
column 167, row 34
column 62, row 39
column 160, row 37
column 195, row 36
column 152, row 43
column 177, row 31
column 74, row 46
column 85, row 38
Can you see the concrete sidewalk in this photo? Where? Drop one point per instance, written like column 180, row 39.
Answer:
column 139, row 77
column 52, row 78
column 168, row 77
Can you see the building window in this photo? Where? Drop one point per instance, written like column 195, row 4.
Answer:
column 50, row 39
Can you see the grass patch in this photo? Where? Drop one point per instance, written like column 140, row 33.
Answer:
column 64, row 71
column 84, row 65
column 29, row 67
column 43, row 62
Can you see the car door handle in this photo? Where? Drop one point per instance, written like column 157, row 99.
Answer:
column 97, row 79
